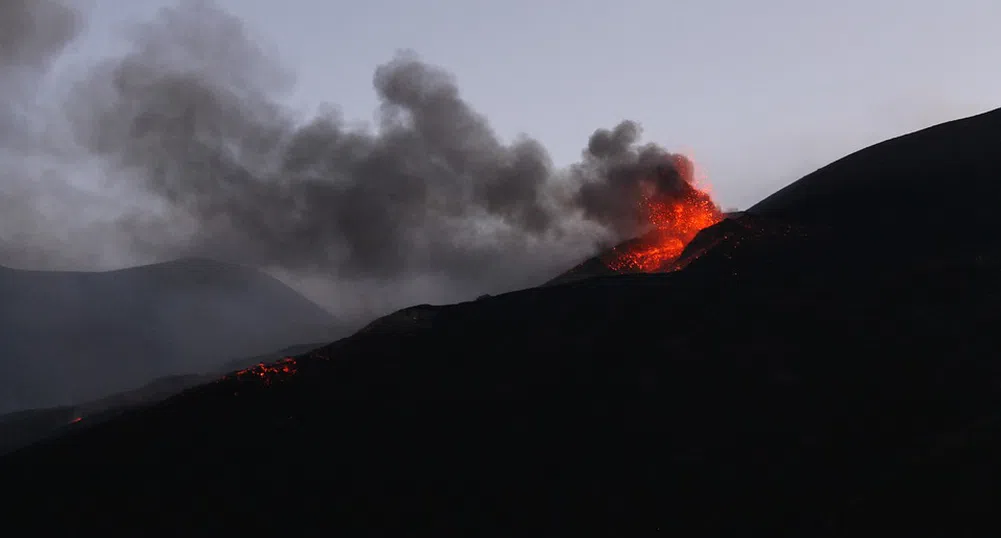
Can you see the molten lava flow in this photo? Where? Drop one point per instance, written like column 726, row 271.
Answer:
column 268, row 372
column 675, row 219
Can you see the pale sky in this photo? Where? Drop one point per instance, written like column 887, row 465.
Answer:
column 759, row 93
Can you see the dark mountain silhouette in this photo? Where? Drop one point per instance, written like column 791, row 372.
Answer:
column 809, row 372
column 70, row 337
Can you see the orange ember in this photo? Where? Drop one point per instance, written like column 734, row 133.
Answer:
column 268, row 372
column 75, row 420
column 674, row 221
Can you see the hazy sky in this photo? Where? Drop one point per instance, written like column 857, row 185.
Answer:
column 759, row 93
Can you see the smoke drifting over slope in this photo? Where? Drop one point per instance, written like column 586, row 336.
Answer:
column 192, row 119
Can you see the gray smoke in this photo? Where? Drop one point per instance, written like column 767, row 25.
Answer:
column 32, row 35
column 191, row 120
column 614, row 172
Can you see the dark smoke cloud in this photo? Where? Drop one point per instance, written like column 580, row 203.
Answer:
column 32, row 34
column 616, row 171
column 191, row 119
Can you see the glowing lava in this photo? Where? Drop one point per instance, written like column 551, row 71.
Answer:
column 674, row 221
column 268, row 372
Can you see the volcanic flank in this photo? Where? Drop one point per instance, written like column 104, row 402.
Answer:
column 793, row 378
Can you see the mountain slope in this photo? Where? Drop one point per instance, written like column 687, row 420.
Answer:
column 795, row 378
column 944, row 177
column 69, row 337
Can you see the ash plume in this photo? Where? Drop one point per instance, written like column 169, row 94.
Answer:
column 32, row 35
column 616, row 172
column 191, row 120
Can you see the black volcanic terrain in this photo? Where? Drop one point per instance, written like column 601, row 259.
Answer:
column 825, row 364
column 70, row 337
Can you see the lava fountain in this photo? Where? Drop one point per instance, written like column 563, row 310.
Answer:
column 672, row 221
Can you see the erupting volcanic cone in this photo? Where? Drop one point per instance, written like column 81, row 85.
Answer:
column 673, row 218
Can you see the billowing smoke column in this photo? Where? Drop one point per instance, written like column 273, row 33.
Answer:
column 617, row 173
column 191, row 119
column 32, row 34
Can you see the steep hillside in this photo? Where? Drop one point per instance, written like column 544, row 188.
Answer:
column 943, row 181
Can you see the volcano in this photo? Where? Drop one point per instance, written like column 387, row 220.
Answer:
column 673, row 208
column 823, row 364
column 655, row 251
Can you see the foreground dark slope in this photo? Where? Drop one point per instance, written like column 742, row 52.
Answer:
column 69, row 337
column 795, row 379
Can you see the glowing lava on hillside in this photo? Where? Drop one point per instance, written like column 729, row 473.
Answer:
column 269, row 372
column 674, row 218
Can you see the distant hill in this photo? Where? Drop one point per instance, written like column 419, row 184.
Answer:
column 69, row 337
